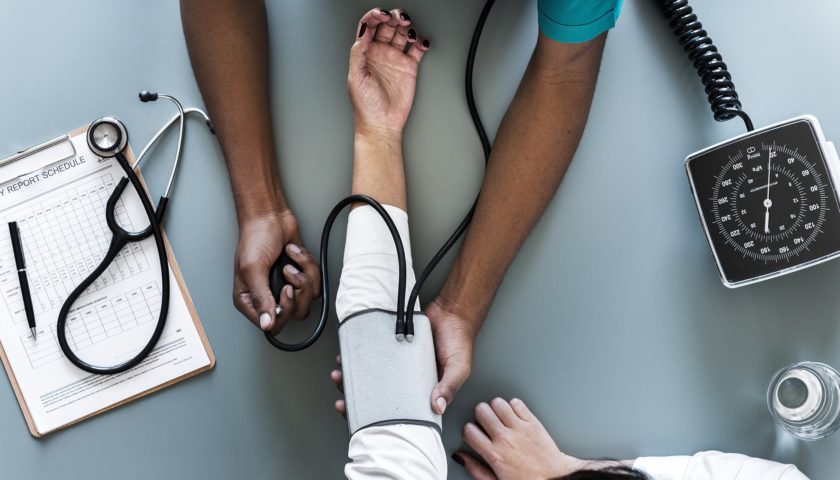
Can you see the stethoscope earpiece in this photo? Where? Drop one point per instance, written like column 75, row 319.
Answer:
column 147, row 96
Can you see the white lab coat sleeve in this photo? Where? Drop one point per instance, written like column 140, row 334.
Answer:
column 370, row 273
column 369, row 280
column 396, row 452
column 716, row 466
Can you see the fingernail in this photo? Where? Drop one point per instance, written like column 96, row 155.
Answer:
column 412, row 34
column 458, row 459
column 362, row 29
column 405, row 17
column 384, row 12
column 290, row 292
column 427, row 43
column 294, row 249
column 265, row 321
column 441, row 403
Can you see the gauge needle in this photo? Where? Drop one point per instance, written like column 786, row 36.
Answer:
column 767, row 202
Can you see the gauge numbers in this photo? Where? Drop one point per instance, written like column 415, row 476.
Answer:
column 769, row 202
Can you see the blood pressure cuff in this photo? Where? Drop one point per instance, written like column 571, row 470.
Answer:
column 387, row 382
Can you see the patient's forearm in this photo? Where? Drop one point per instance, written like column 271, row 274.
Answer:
column 378, row 168
column 228, row 46
column 534, row 146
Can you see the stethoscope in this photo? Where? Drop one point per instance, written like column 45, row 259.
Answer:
column 108, row 138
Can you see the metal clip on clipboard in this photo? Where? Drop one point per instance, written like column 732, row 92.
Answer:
column 58, row 149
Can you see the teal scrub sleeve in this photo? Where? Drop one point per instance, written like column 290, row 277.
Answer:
column 576, row 21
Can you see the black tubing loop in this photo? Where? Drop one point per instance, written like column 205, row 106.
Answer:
column 485, row 145
column 117, row 242
column 325, row 284
column 405, row 318
column 111, row 206
column 111, row 219
column 706, row 59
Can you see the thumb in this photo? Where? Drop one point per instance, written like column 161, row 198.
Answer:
column 474, row 468
column 256, row 279
column 266, row 306
column 456, row 370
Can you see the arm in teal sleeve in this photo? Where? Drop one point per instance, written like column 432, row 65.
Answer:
column 576, row 21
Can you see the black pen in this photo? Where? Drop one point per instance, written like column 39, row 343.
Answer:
column 20, row 263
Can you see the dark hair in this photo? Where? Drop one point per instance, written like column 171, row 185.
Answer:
column 609, row 473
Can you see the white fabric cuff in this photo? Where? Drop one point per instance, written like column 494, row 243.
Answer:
column 663, row 468
column 370, row 275
column 367, row 234
column 713, row 465
column 396, row 451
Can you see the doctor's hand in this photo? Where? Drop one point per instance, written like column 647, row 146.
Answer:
column 262, row 239
column 383, row 71
column 454, row 338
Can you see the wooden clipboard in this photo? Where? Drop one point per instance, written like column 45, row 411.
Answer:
column 176, row 271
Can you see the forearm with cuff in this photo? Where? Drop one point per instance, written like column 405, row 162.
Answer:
column 387, row 384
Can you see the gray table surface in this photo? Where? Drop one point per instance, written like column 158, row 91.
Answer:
column 611, row 323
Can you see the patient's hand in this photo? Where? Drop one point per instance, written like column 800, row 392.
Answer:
column 515, row 445
column 383, row 71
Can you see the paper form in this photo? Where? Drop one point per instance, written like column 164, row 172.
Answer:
column 60, row 210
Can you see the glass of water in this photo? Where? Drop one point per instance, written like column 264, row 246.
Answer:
column 804, row 398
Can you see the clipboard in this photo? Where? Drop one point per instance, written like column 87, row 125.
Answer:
column 13, row 167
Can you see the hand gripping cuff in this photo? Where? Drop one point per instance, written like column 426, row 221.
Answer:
column 386, row 381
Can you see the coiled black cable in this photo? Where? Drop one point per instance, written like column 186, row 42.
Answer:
column 707, row 61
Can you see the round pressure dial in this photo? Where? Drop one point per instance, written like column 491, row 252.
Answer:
column 769, row 202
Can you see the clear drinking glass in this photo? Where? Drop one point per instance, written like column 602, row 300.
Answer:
column 804, row 398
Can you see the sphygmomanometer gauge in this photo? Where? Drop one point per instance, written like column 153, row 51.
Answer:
column 768, row 201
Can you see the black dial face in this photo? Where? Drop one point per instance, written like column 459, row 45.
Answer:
column 767, row 202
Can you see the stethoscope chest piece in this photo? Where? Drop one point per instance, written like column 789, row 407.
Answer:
column 107, row 137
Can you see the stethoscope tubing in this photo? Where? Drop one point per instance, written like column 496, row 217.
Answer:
column 120, row 237
column 166, row 126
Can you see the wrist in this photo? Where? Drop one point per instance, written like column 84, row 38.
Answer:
column 255, row 183
column 602, row 464
column 252, row 206
column 469, row 322
column 467, row 293
column 376, row 135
